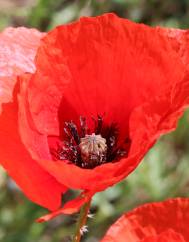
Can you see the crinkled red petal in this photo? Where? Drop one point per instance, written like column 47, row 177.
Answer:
column 17, row 51
column 167, row 236
column 154, row 222
column 35, row 182
column 179, row 41
column 70, row 207
column 121, row 67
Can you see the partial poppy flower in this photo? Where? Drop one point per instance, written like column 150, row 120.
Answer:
column 103, row 91
column 154, row 222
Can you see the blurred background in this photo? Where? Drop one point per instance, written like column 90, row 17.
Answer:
column 164, row 172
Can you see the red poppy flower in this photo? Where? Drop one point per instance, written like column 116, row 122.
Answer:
column 103, row 91
column 154, row 222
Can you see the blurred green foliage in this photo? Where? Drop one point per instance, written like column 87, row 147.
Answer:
column 45, row 14
column 162, row 174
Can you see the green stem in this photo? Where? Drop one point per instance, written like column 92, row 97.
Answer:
column 81, row 221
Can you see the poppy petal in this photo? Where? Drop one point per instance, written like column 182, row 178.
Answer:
column 179, row 41
column 168, row 236
column 70, row 207
column 109, row 78
column 36, row 183
column 17, row 51
column 156, row 221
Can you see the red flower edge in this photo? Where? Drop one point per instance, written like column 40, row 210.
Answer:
column 29, row 121
column 154, row 222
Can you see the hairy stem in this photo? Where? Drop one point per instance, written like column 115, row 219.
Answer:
column 81, row 221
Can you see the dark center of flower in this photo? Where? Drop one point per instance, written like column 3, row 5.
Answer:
column 89, row 149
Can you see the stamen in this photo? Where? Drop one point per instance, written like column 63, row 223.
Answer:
column 98, row 127
column 83, row 126
column 73, row 131
column 90, row 150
